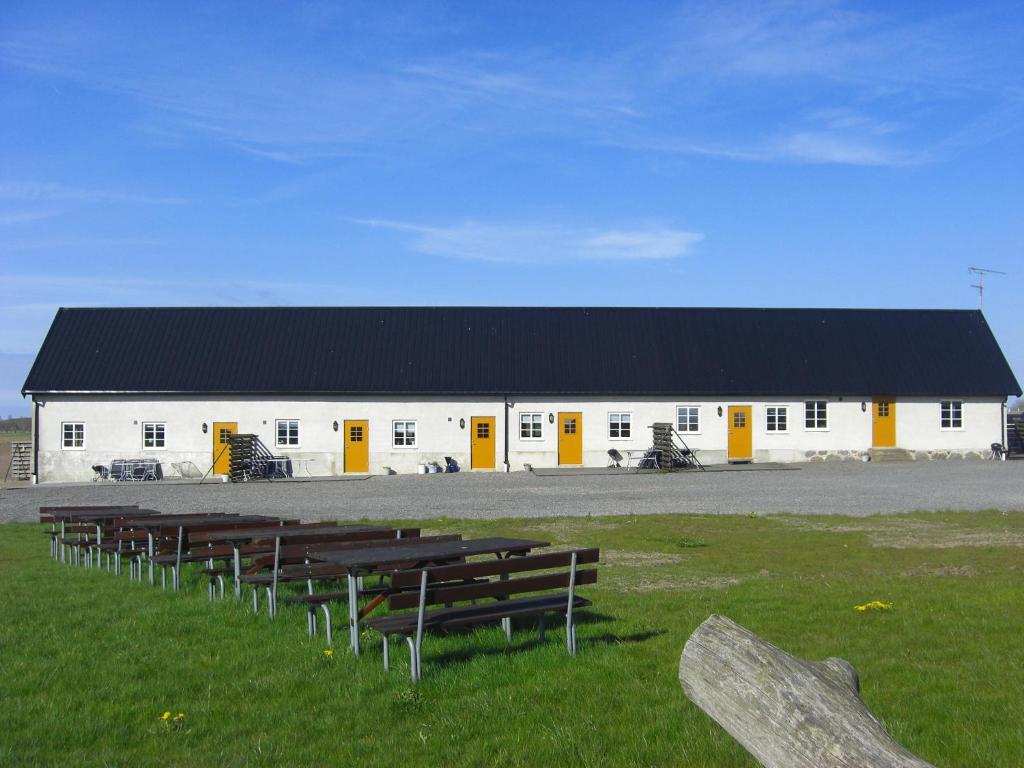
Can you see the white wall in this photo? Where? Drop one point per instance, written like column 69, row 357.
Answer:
column 114, row 428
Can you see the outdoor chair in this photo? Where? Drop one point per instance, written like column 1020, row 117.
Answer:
column 615, row 458
column 102, row 472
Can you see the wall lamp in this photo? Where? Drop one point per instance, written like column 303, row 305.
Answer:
column 551, row 418
column 462, row 423
column 719, row 410
column 335, row 425
column 205, row 427
column 863, row 406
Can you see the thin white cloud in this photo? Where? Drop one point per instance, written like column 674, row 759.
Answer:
column 10, row 218
column 546, row 243
column 33, row 190
column 864, row 85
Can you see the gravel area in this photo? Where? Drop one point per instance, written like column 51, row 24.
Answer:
column 847, row 488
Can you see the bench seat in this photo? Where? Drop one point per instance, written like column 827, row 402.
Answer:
column 461, row 615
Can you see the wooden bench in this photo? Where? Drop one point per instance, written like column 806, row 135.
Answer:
column 447, row 585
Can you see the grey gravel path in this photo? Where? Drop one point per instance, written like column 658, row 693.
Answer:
column 819, row 489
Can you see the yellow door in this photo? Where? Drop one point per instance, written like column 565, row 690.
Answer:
column 357, row 446
column 570, row 438
column 481, row 440
column 741, row 443
column 222, row 430
column 883, row 424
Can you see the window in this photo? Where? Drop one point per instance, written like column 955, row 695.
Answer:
column 883, row 409
column 688, row 419
column 483, row 430
column 73, row 434
column 739, row 419
column 153, row 435
column 355, row 433
column 530, row 426
column 404, row 434
column 569, row 425
column 619, row 426
column 952, row 414
column 776, row 418
column 815, row 414
column 287, row 433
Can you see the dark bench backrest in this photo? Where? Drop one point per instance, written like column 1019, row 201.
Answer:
column 203, row 536
column 292, row 554
column 455, row 583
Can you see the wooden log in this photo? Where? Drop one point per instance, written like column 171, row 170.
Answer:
column 787, row 712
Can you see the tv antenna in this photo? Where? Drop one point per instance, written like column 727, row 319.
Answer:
column 981, row 272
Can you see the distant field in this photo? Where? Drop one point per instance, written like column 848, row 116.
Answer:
column 6, row 438
column 91, row 661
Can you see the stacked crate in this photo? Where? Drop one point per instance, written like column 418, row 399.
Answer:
column 21, row 461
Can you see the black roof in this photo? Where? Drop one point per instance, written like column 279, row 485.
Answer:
column 517, row 350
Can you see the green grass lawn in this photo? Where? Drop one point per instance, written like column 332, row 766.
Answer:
column 88, row 662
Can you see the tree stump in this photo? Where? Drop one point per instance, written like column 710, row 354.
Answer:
column 787, row 712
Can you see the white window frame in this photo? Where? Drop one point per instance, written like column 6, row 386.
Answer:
column 405, row 434
column 767, row 416
column 536, row 419
column 163, row 435
column 63, row 439
column 700, row 419
column 629, row 421
column 286, row 443
column 816, row 419
column 943, row 408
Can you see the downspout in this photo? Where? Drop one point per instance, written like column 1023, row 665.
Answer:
column 35, row 441
column 1004, row 427
column 508, row 467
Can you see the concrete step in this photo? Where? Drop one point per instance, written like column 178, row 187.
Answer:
column 891, row 454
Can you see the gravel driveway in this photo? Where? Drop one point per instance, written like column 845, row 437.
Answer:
column 846, row 488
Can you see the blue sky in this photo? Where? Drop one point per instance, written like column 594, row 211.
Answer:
column 708, row 154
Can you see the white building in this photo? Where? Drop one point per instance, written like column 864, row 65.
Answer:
column 364, row 389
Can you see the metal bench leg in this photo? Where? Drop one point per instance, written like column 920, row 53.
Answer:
column 387, row 659
column 353, row 614
column 163, row 578
column 255, row 598
column 414, row 662
column 570, row 625
column 506, row 624
column 311, row 620
column 220, row 582
column 327, row 624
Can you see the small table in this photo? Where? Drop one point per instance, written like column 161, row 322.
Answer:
column 370, row 560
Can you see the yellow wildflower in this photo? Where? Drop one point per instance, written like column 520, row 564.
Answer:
column 329, row 652
column 874, row 605
column 165, row 716
column 179, row 716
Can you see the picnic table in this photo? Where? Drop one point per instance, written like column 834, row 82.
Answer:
column 282, row 534
column 187, row 523
column 84, row 516
column 377, row 559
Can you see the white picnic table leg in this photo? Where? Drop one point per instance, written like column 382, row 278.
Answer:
column 353, row 613
column 152, row 578
column 238, row 570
